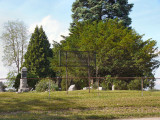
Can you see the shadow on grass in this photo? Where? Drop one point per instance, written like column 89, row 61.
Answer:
column 46, row 116
column 35, row 104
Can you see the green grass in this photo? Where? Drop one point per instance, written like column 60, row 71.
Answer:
column 79, row 105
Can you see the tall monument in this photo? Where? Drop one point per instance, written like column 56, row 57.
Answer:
column 23, row 81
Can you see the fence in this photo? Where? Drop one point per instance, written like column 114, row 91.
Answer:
column 108, row 83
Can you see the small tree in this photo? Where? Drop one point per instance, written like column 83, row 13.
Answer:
column 11, row 77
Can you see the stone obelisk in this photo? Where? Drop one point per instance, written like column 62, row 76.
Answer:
column 23, row 81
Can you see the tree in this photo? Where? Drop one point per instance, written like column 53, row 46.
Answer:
column 121, row 52
column 38, row 54
column 11, row 77
column 96, row 10
column 14, row 37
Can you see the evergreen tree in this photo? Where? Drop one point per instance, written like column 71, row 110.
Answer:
column 38, row 54
column 96, row 10
column 121, row 52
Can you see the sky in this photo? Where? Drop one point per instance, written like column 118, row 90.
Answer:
column 55, row 17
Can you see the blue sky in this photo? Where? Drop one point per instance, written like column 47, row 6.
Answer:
column 55, row 17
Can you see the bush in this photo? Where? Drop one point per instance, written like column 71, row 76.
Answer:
column 43, row 85
column 11, row 90
column 95, row 85
column 3, row 87
column 63, row 84
column 107, row 83
column 32, row 82
column 80, row 83
column 120, row 85
column 134, row 85
column 17, row 81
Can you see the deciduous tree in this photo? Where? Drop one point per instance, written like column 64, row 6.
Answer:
column 14, row 37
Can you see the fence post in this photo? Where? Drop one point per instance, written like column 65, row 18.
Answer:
column 66, row 75
column 49, row 88
column 89, row 71
column 142, row 86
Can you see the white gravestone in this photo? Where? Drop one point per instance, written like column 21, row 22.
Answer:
column 72, row 88
column 23, row 81
column 100, row 88
column 113, row 87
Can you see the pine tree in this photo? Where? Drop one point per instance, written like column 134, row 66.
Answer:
column 38, row 54
column 96, row 10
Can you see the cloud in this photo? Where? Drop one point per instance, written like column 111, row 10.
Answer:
column 53, row 28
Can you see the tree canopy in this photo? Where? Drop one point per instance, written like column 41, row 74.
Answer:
column 121, row 52
column 96, row 10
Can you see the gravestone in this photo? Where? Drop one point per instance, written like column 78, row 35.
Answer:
column 72, row 88
column 23, row 81
column 113, row 87
column 1, row 87
column 100, row 88
column 85, row 88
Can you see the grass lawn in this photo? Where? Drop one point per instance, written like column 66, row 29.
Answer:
column 79, row 105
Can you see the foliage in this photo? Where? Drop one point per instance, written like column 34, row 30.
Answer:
column 31, row 81
column 14, row 38
column 95, row 85
column 120, row 51
column 46, row 84
column 137, row 84
column 120, row 85
column 4, row 87
column 17, row 81
column 107, row 83
column 96, row 10
column 63, row 85
column 80, row 83
column 134, row 85
column 38, row 54
column 11, row 79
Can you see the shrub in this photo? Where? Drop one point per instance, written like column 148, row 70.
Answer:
column 43, row 85
column 107, row 83
column 136, row 84
column 32, row 82
column 17, row 81
column 81, row 83
column 63, row 84
column 95, row 85
column 3, row 87
column 120, row 85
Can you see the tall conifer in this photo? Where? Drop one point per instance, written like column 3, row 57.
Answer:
column 38, row 54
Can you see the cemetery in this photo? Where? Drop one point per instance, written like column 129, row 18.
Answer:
column 77, row 104
column 97, row 65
